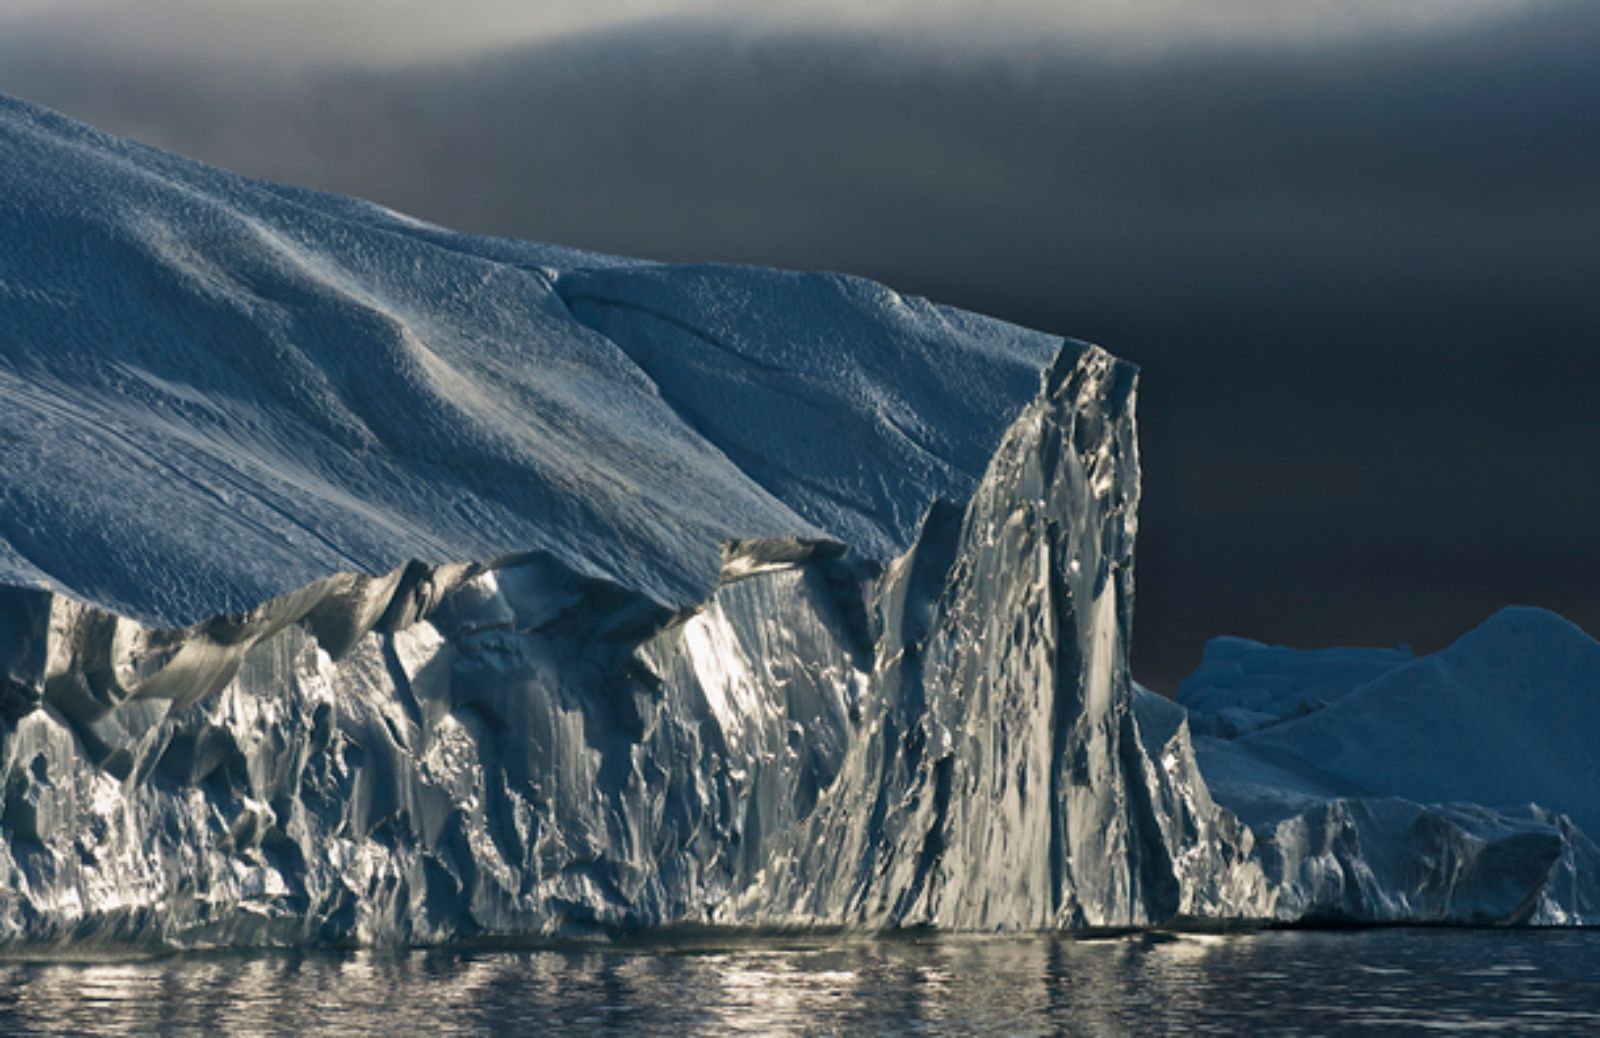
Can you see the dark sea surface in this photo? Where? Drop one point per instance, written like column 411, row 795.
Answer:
column 1371, row 981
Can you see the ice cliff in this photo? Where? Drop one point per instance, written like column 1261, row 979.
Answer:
column 361, row 581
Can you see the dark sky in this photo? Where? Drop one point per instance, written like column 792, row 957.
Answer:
column 1359, row 262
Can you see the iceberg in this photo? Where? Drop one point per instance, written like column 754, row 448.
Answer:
column 362, row 582
column 366, row 582
column 1382, row 787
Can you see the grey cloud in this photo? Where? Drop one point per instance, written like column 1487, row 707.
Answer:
column 392, row 30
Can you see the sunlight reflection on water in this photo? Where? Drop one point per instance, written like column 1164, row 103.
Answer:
column 1283, row 983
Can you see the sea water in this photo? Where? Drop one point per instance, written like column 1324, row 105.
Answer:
column 1278, row 982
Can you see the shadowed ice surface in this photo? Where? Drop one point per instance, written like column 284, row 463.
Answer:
column 1277, row 982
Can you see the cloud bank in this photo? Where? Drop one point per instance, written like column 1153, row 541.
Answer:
column 409, row 30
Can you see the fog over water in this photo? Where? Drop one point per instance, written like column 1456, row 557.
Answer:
column 1353, row 245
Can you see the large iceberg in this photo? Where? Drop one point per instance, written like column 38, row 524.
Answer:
column 361, row 581
column 369, row 582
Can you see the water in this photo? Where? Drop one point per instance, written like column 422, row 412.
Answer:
column 1280, row 983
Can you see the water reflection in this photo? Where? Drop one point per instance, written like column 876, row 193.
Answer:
column 1287, row 983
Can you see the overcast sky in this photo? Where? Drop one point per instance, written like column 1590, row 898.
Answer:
column 1351, row 242
column 408, row 30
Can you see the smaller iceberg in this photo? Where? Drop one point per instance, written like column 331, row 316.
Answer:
column 1381, row 786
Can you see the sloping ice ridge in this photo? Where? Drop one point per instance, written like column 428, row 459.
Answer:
column 365, row 582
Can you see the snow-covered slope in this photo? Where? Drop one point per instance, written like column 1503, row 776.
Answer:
column 214, row 391
column 1456, row 786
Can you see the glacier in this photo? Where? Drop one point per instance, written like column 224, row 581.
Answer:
column 362, row 582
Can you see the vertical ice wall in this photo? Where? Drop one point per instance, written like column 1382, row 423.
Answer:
column 1006, row 775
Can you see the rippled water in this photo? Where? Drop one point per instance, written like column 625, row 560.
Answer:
column 1282, row 983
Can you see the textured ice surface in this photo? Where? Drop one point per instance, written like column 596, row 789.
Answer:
column 1453, row 787
column 215, row 390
